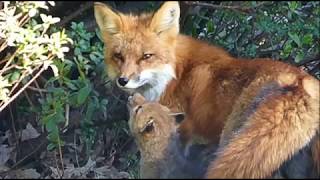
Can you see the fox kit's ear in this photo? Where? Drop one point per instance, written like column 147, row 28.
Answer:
column 136, row 99
column 166, row 18
column 179, row 117
column 107, row 20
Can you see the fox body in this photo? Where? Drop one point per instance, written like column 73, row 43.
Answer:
column 146, row 53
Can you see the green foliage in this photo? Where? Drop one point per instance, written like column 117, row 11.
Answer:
column 30, row 49
column 33, row 46
column 73, row 89
column 284, row 30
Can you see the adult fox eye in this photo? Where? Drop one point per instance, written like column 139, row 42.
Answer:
column 146, row 56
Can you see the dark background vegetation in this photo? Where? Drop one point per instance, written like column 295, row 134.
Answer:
column 96, row 135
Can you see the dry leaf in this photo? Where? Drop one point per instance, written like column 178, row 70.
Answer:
column 71, row 172
column 23, row 174
column 110, row 173
column 3, row 169
column 29, row 133
column 4, row 154
column 3, row 138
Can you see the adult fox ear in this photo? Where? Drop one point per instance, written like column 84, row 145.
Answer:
column 108, row 21
column 166, row 18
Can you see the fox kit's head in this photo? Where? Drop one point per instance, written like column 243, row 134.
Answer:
column 152, row 124
column 139, row 49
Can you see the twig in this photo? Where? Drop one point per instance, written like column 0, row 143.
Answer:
column 315, row 69
column 3, row 46
column 216, row 30
column 14, row 128
column 82, row 9
column 75, row 149
column 22, row 89
column 125, row 143
column 16, row 84
column 184, row 12
column 60, row 154
column 3, row 60
column 37, row 85
column 24, row 74
column 214, row 6
column 28, row 98
column 8, row 68
column 104, row 83
column 258, row 36
column 30, row 154
column 67, row 115
column 304, row 62
column 267, row 52
column 24, row 19
column 37, row 89
column 9, row 61
column 58, row 170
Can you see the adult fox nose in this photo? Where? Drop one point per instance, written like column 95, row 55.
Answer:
column 123, row 81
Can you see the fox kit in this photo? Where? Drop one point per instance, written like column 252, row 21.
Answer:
column 146, row 53
column 154, row 129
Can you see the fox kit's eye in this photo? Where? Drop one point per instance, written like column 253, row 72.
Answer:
column 146, row 56
column 118, row 56
column 148, row 127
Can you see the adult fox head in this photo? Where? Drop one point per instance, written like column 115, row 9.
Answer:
column 140, row 49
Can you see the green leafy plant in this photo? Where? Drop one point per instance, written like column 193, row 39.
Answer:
column 28, row 47
column 31, row 46
column 286, row 31
column 73, row 89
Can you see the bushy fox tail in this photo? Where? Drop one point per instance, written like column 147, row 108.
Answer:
column 281, row 125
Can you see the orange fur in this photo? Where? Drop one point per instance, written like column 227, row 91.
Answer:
column 315, row 149
column 267, row 131
column 214, row 88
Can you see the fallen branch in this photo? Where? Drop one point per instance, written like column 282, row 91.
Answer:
column 28, row 99
column 315, row 69
column 29, row 155
column 37, row 89
column 73, row 15
column 22, row 89
column 306, row 61
column 214, row 6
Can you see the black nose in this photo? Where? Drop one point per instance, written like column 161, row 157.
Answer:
column 123, row 81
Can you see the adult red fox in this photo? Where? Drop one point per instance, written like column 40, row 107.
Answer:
column 146, row 53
